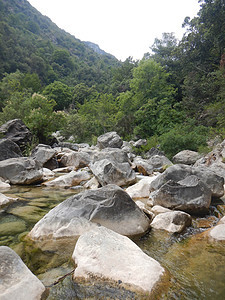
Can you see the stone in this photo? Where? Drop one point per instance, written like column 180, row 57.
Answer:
column 218, row 232
column 16, row 280
column 154, row 151
column 109, row 206
column 109, row 255
column 47, row 174
column 21, row 170
column 190, row 195
column 141, row 188
column 158, row 209
column 69, row 180
column 17, row 131
column 9, row 149
column 143, row 166
column 186, row 157
column 179, row 172
column 75, row 159
column 4, row 185
column 109, row 140
column 43, row 153
column 112, row 166
column 173, row 221
column 142, row 206
column 92, row 184
column 159, row 162
column 4, row 200
column 139, row 143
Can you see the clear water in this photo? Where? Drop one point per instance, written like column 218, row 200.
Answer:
column 197, row 267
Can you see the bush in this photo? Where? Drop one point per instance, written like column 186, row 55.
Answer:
column 187, row 137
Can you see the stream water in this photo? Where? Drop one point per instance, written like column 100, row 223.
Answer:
column 197, row 267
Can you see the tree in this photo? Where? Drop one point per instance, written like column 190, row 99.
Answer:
column 60, row 93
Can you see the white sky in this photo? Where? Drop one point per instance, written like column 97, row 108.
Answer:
column 120, row 27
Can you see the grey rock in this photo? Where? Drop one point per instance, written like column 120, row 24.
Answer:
column 43, row 153
column 21, row 170
column 186, row 157
column 109, row 140
column 109, row 206
column 179, row 172
column 17, row 131
column 16, row 280
column 190, row 195
column 140, row 143
column 9, row 149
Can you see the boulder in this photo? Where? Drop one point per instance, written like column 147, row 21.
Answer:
column 43, row 153
column 179, row 172
column 109, row 206
column 173, row 221
column 16, row 280
column 154, row 151
column 186, row 157
column 190, row 195
column 218, row 232
column 9, row 149
column 158, row 209
column 141, row 188
column 75, row 159
column 71, row 179
column 112, row 166
column 17, row 131
column 110, row 172
column 21, row 170
column 108, row 255
column 47, row 174
column 143, row 166
column 4, row 185
column 159, row 162
column 109, row 140
column 6, row 200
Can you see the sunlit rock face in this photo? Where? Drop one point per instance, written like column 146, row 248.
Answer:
column 174, row 221
column 21, row 170
column 16, row 280
column 109, row 206
column 106, row 254
column 218, row 232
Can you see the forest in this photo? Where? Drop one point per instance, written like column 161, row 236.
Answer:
column 174, row 96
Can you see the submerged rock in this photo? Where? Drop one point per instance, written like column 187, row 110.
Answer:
column 16, row 280
column 109, row 255
column 109, row 206
column 173, row 221
column 6, row 200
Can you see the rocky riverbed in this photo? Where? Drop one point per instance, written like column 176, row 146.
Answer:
column 99, row 222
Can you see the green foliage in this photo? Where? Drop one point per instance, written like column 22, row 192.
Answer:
column 186, row 137
column 60, row 93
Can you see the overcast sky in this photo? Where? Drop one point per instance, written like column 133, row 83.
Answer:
column 120, row 27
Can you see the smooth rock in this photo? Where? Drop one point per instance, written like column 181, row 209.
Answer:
column 158, row 209
column 186, row 157
column 109, row 206
column 75, row 159
column 6, row 200
column 106, row 254
column 71, row 179
column 218, row 232
column 141, row 188
column 92, row 184
column 179, row 172
column 47, row 174
column 16, row 280
column 109, row 140
column 190, row 195
column 173, row 221
column 21, row 170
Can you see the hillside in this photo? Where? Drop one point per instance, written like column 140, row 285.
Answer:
column 31, row 42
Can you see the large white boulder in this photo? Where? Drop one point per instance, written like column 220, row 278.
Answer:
column 16, row 280
column 141, row 188
column 106, row 254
